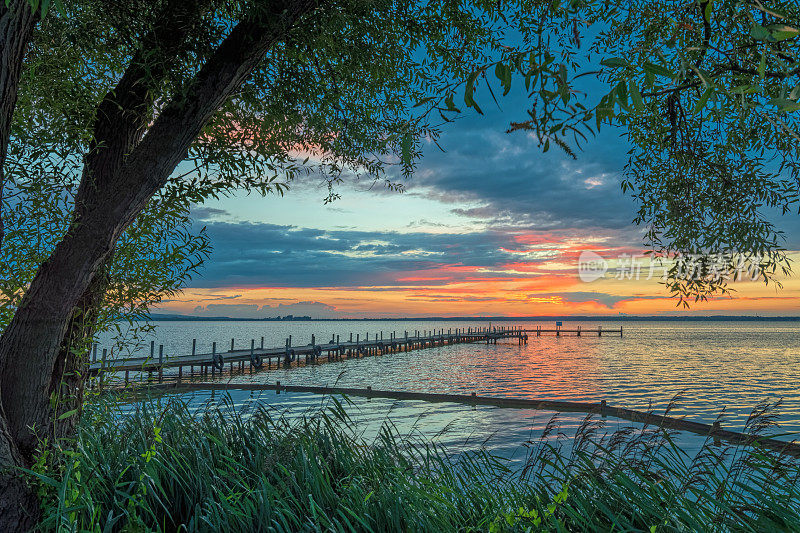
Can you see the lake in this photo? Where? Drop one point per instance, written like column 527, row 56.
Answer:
column 716, row 366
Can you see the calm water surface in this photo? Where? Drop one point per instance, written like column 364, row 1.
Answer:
column 715, row 366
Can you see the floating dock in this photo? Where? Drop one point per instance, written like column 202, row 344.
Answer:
column 335, row 349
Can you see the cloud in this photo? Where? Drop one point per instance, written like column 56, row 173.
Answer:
column 608, row 300
column 312, row 309
column 272, row 255
column 208, row 213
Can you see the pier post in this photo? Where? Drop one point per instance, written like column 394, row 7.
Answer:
column 194, row 346
column 599, row 331
column 103, row 366
column 262, row 343
column 152, row 358
column 231, row 344
column 160, row 363
column 213, row 357
column 620, row 331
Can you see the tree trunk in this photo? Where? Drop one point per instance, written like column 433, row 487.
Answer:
column 72, row 364
column 105, row 206
column 16, row 25
column 19, row 507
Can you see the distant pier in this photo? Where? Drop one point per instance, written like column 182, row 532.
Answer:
column 256, row 357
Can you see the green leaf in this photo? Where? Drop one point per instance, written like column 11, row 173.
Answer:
column 795, row 94
column 470, row 89
column 621, row 92
column 498, row 71
column 783, row 32
column 405, row 149
column 760, row 33
column 507, row 79
column 614, row 62
column 67, row 414
column 636, row 96
column 451, row 106
column 701, row 103
column 658, row 70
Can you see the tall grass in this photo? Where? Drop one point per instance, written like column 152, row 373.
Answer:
column 164, row 468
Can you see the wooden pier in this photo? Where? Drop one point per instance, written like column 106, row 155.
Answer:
column 335, row 349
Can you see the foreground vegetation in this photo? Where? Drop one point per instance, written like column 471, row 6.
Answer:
column 163, row 467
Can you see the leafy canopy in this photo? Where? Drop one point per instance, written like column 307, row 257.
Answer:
column 708, row 94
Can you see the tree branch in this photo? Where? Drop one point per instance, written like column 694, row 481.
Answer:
column 179, row 124
column 124, row 112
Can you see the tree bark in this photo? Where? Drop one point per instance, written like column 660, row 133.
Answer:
column 17, row 20
column 72, row 363
column 18, row 504
column 105, row 206
column 19, row 508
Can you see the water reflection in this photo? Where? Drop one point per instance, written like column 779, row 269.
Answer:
column 716, row 365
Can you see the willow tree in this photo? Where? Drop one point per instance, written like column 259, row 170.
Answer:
column 174, row 101
column 707, row 92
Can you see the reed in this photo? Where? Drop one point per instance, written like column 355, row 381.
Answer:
column 164, row 467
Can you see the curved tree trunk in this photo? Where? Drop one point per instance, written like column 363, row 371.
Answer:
column 32, row 364
column 18, row 504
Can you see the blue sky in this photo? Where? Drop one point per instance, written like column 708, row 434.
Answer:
column 489, row 219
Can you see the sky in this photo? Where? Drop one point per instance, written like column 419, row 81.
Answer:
column 492, row 226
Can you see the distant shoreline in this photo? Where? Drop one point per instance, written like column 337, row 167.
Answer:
column 600, row 318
